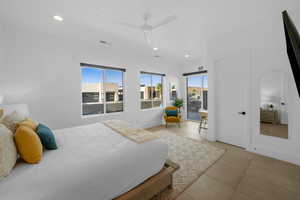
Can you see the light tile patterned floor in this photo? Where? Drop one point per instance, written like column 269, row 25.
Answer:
column 240, row 175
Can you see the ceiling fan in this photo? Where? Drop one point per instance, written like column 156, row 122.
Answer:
column 148, row 28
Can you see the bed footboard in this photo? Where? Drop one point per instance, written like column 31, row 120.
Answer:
column 154, row 185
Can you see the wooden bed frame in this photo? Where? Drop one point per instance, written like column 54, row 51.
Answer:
column 154, row 185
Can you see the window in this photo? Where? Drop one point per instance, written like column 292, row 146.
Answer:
column 110, row 96
column 102, row 90
column 151, row 90
column 88, row 97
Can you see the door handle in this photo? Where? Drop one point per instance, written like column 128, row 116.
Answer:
column 242, row 113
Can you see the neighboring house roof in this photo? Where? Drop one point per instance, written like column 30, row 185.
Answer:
column 196, row 90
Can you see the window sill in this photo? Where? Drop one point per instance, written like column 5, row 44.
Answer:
column 100, row 115
column 152, row 109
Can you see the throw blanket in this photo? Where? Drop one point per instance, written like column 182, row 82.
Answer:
column 125, row 129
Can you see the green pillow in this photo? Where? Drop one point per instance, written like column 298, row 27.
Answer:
column 46, row 136
column 173, row 113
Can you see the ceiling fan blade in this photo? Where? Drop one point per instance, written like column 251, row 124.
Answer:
column 165, row 21
column 130, row 25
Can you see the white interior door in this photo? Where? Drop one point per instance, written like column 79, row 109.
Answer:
column 232, row 99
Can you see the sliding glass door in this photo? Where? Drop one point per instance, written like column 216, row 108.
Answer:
column 197, row 93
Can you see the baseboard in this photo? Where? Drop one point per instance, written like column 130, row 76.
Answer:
column 295, row 159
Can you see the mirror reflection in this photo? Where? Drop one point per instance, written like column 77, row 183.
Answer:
column 273, row 105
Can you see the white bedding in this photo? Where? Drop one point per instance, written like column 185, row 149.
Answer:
column 92, row 163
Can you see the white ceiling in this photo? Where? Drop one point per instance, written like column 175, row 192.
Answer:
column 94, row 20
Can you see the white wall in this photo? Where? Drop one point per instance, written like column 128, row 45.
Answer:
column 266, row 43
column 43, row 71
column 2, row 41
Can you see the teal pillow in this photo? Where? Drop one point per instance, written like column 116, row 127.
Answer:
column 172, row 113
column 46, row 136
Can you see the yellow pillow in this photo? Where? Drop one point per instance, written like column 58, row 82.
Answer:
column 29, row 145
column 29, row 123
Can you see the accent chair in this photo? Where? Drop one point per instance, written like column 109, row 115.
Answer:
column 171, row 115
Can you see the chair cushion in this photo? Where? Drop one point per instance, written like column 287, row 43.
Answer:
column 172, row 119
column 8, row 151
column 173, row 113
column 29, row 145
column 47, row 137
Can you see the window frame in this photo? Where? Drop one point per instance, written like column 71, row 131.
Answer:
column 152, row 91
column 104, row 80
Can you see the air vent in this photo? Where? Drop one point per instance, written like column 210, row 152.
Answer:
column 200, row 68
column 105, row 42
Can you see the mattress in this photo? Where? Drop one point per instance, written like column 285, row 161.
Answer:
column 92, row 163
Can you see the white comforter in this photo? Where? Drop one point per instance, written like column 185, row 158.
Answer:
column 92, row 163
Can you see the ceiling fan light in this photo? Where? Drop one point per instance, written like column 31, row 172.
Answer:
column 187, row 55
column 58, row 18
column 155, row 48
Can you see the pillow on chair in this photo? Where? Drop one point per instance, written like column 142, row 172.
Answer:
column 172, row 113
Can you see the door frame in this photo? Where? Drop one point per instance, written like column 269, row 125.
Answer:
column 186, row 75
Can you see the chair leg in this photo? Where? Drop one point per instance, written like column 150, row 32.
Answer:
column 166, row 125
column 178, row 124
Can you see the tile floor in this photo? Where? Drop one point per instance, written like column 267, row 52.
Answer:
column 240, row 175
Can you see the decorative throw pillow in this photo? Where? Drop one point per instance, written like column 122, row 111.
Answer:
column 8, row 151
column 29, row 123
column 1, row 113
column 47, row 137
column 173, row 113
column 29, row 145
column 10, row 121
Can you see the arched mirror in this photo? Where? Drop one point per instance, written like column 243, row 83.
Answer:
column 273, row 104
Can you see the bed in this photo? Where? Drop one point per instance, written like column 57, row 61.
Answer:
column 92, row 162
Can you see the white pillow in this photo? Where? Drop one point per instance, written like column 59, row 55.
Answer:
column 8, row 151
column 22, row 109
column 10, row 121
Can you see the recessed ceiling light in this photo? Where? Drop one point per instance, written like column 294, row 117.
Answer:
column 155, row 48
column 58, row 18
column 187, row 55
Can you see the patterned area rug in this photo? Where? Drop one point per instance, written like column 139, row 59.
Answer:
column 193, row 156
